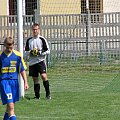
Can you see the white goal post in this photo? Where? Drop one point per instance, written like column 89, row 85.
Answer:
column 20, row 38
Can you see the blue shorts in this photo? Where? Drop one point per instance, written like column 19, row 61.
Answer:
column 9, row 91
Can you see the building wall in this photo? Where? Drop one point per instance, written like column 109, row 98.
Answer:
column 64, row 6
column 60, row 7
column 73, row 6
column 111, row 6
column 3, row 7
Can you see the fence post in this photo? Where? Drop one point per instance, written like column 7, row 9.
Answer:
column 102, row 52
column 119, row 22
column 48, row 58
column 87, row 28
column 36, row 16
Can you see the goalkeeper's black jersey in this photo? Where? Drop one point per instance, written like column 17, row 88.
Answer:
column 41, row 44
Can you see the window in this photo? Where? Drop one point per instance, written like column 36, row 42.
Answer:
column 30, row 5
column 95, row 6
column 12, row 7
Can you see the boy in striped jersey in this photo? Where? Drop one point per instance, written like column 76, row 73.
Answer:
column 38, row 47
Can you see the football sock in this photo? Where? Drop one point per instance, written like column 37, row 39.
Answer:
column 46, row 86
column 6, row 116
column 37, row 90
column 12, row 117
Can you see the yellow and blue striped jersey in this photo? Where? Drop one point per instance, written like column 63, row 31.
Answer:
column 11, row 65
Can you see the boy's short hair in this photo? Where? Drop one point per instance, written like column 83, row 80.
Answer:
column 9, row 41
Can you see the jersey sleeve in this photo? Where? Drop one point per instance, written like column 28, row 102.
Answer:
column 22, row 65
column 45, row 49
column 27, row 44
column 0, row 62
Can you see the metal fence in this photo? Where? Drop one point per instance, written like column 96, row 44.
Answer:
column 72, row 35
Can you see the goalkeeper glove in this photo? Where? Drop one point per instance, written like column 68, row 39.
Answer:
column 35, row 52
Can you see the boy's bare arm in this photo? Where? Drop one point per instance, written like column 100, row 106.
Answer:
column 24, row 76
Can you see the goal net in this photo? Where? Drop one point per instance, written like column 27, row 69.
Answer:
column 85, row 52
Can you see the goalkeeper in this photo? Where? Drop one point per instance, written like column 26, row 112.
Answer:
column 38, row 48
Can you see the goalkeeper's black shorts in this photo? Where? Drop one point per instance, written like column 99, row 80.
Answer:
column 37, row 68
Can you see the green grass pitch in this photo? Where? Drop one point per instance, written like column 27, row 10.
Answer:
column 78, row 93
